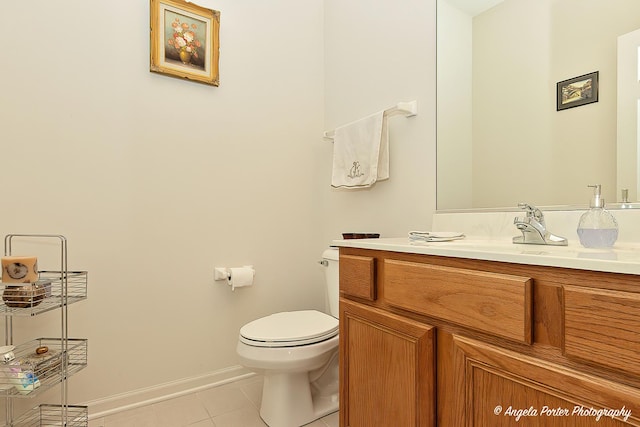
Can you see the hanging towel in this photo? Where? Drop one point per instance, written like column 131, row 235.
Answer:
column 361, row 152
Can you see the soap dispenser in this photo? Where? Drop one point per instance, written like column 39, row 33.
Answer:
column 597, row 227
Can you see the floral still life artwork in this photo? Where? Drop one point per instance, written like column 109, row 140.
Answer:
column 185, row 41
column 184, row 44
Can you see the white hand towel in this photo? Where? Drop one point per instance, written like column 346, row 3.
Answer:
column 361, row 152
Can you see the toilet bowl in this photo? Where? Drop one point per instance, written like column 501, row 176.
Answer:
column 297, row 353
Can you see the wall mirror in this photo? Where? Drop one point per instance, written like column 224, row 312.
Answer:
column 501, row 139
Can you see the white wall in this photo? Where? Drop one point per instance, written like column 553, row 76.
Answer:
column 155, row 180
column 376, row 54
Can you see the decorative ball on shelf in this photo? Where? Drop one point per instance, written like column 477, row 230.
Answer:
column 25, row 296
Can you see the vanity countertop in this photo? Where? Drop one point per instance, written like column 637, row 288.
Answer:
column 622, row 258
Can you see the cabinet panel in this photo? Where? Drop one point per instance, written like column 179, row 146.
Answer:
column 386, row 369
column 603, row 327
column 497, row 387
column 357, row 275
column 499, row 304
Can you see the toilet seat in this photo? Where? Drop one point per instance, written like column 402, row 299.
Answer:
column 289, row 329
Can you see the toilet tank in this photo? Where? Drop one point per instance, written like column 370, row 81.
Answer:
column 332, row 278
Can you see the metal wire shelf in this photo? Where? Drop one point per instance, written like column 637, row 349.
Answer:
column 29, row 374
column 31, row 299
column 30, row 368
column 54, row 415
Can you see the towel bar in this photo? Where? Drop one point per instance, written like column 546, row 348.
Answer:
column 408, row 109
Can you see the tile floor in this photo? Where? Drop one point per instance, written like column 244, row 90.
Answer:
column 231, row 405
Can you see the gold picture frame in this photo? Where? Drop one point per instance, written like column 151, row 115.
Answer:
column 185, row 41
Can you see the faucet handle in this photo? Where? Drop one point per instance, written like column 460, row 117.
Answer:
column 532, row 212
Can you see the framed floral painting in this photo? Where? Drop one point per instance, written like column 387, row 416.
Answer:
column 185, row 41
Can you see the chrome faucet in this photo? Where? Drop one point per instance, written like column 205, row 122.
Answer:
column 534, row 231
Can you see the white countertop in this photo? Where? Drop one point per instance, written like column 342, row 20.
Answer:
column 622, row 258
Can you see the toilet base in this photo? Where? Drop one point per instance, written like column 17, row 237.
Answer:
column 288, row 401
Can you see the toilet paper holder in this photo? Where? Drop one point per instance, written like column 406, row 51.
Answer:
column 224, row 273
column 221, row 273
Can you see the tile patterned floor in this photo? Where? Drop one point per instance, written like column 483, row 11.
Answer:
column 230, row 405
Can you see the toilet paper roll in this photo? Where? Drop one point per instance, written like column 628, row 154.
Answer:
column 19, row 269
column 240, row 277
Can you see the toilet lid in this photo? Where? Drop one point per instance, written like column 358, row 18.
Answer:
column 290, row 328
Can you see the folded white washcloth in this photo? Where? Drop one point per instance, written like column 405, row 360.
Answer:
column 361, row 152
column 434, row 236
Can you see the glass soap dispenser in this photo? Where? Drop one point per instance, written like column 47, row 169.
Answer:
column 597, row 227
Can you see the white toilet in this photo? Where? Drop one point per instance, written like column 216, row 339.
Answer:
column 297, row 352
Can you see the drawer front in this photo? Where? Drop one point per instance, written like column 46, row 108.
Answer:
column 499, row 304
column 357, row 276
column 603, row 326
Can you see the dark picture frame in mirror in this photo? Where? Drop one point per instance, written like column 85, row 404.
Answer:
column 577, row 91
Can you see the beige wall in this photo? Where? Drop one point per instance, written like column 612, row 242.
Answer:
column 455, row 110
column 628, row 122
column 375, row 57
column 512, row 102
column 155, row 181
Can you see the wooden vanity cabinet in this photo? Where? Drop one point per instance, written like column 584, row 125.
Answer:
column 437, row 341
column 387, row 368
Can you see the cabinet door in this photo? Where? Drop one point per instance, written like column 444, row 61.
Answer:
column 386, row 369
column 486, row 386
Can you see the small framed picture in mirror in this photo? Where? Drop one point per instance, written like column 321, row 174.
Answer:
column 577, row 91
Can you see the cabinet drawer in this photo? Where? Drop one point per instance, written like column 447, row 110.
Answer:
column 357, row 275
column 499, row 304
column 603, row 326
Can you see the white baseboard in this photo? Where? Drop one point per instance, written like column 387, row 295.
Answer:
column 137, row 398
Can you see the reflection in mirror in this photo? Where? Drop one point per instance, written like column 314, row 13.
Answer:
column 628, row 130
column 501, row 140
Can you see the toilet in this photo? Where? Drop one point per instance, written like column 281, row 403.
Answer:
column 297, row 353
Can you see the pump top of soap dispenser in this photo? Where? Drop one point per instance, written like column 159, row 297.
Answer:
column 597, row 227
column 596, row 201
